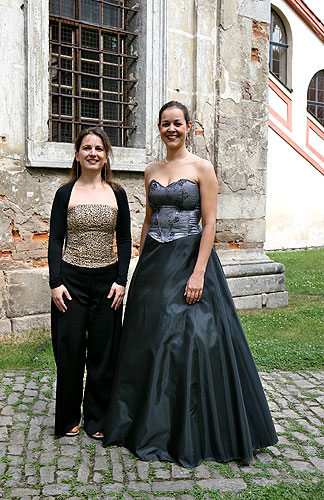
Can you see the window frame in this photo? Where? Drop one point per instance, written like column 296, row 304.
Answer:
column 42, row 153
column 278, row 44
column 315, row 103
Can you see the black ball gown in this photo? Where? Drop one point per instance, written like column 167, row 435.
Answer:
column 186, row 388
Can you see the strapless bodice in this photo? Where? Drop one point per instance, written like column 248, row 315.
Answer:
column 90, row 234
column 175, row 210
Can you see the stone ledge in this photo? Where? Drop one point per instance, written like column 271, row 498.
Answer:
column 31, row 322
column 255, row 285
column 268, row 300
column 5, row 326
column 273, row 300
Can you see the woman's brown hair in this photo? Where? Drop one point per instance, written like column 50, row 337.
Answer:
column 106, row 174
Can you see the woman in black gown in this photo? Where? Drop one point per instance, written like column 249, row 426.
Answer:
column 186, row 388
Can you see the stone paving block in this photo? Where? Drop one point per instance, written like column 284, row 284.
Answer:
column 113, row 487
column 265, row 458
column 142, row 469
column 46, row 457
column 98, row 478
column 56, row 489
column 131, row 476
column 300, row 436
column 17, row 437
column 202, row 472
column 63, row 475
column 100, row 463
column 5, row 420
column 301, row 466
column 262, row 481
column 15, row 449
column 233, row 485
column 178, row 472
column 291, row 453
column 318, row 462
column 172, row 485
column 70, row 450
column 8, row 411
column 162, row 474
column 47, row 474
column 3, row 433
column 20, row 492
column 83, row 473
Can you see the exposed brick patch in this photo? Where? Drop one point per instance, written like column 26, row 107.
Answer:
column 40, row 236
column 246, row 94
column 255, row 55
column 260, row 29
column 233, row 245
column 2, row 196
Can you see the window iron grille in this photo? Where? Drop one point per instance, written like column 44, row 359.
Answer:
column 90, row 60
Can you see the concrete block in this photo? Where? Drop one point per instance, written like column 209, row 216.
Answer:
column 248, row 302
column 28, row 292
column 34, row 321
column 5, row 326
column 273, row 300
column 254, row 285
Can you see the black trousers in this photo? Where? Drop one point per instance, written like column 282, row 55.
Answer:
column 86, row 335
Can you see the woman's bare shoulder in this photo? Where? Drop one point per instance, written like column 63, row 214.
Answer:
column 204, row 168
column 152, row 167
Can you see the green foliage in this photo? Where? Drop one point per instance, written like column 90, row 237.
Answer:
column 291, row 338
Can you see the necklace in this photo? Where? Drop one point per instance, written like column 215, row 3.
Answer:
column 177, row 161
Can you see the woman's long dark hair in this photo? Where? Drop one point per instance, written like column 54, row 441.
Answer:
column 106, row 174
column 175, row 104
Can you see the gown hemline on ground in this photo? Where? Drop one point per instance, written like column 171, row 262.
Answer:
column 186, row 389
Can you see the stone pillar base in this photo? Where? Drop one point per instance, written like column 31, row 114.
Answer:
column 255, row 281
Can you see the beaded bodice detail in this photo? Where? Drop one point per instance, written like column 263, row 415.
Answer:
column 90, row 235
column 175, row 210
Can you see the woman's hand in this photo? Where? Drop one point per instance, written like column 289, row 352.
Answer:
column 57, row 296
column 119, row 292
column 194, row 287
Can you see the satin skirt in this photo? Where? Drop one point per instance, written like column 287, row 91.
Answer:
column 186, row 388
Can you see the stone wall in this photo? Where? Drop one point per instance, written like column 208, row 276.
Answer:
column 216, row 61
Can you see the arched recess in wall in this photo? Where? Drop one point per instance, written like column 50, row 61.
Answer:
column 281, row 47
column 315, row 96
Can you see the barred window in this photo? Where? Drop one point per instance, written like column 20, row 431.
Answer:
column 315, row 96
column 91, row 62
column 278, row 48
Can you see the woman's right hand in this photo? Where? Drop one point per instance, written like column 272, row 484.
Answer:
column 57, row 296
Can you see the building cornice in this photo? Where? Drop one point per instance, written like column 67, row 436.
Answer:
column 308, row 17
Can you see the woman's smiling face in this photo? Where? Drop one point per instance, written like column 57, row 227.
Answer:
column 173, row 128
column 92, row 154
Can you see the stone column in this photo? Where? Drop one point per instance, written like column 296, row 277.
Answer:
column 241, row 153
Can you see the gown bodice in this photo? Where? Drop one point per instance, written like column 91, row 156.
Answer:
column 175, row 210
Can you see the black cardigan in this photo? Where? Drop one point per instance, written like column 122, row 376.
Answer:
column 58, row 233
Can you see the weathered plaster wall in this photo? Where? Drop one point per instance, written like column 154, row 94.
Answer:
column 242, row 123
column 12, row 116
column 217, row 64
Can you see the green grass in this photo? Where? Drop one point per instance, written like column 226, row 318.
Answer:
column 292, row 337
column 287, row 338
column 17, row 350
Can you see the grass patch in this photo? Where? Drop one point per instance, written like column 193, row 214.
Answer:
column 17, row 349
column 291, row 338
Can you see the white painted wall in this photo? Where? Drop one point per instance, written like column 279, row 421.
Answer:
column 295, row 200
column 295, row 189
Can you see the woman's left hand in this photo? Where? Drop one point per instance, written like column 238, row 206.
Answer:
column 194, row 287
column 119, row 292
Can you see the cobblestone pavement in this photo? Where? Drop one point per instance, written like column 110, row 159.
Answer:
column 34, row 464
